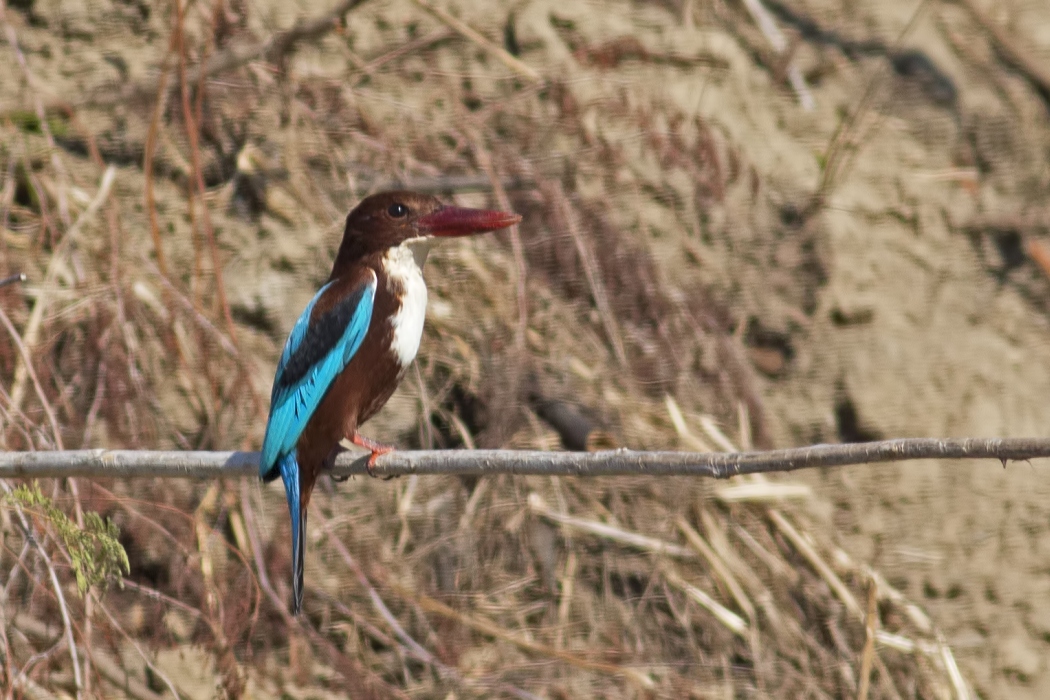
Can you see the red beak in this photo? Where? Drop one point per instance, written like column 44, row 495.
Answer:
column 458, row 221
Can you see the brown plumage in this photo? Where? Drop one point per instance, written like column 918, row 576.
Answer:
column 377, row 268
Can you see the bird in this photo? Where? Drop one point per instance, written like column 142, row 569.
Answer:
column 353, row 343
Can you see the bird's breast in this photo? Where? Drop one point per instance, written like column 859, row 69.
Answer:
column 405, row 282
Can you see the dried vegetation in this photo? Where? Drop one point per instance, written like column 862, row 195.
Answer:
column 174, row 219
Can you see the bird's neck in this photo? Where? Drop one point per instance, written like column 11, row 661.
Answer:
column 412, row 251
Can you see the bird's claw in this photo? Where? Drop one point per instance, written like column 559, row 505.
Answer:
column 370, row 465
column 377, row 449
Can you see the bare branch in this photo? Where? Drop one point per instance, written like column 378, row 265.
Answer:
column 718, row 465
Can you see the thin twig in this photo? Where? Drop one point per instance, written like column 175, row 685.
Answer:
column 1033, row 70
column 410, row 645
column 27, row 362
column 36, row 317
column 809, row 553
column 591, row 269
column 632, row 539
column 719, row 465
column 768, row 26
column 67, row 624
column 106, row 665
column 471, row 34
column 733, row 622
column 867, row 657
column 118, row 673
column 491, row 629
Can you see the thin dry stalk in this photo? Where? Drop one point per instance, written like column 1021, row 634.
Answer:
column 631, row 539
column 868, row 655
column 233, row 682
column 959, row 684
column 31, row 335
column 476, row 37
column 678, row 421
column 484, row 159
column 107, row 667
column 67, row 624
column 729, row 619
column 491, row 629
column 845, row 142
column 720, row 568
column 1011, row 52
column 591, row 269
column 150, row 149
column 119, row 675
column 809, row 553
column 778, row 41
column 410, row 645
column 27, row 362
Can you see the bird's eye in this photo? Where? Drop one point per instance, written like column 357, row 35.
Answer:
column 397, row 210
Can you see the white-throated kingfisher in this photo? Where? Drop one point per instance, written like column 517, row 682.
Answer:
column 352, row 344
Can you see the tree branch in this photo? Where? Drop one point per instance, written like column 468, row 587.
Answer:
column 719, row 465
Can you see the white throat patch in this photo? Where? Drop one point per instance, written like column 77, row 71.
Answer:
column 403, row 265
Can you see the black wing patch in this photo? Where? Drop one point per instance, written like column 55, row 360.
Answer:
column 320, row 338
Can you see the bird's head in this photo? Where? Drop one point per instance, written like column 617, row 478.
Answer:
column 388, row 219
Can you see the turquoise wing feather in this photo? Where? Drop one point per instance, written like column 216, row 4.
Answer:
column 314, row 355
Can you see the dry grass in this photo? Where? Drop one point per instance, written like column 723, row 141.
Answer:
column 157, row 301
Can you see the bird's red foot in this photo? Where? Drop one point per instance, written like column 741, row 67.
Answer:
column 377, row 449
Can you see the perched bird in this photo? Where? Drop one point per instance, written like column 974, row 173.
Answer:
column 352, row 344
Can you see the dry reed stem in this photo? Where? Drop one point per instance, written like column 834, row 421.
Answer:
column 591, row 268
column 868, row 654
column 763, row 492
column 410, row 645
column 631, row 539
column 809, row 553
column 720, row 567
column 491, row 629
column 5, row 645
column 31, row 334
column 225, row 662
column 768, row 26
column 959, row 684
column 27, row 362
column 1012, row 54
column 149, row 151
column 192, row 124
column 845, row 144
column 471, row 34
column 729, row 619
column 107, row 667
column 429, row 39
column 141, row 654
column 359, row 680
column 678, row 421
column 484, row 159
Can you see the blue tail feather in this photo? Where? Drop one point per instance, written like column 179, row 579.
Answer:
column 289, row 467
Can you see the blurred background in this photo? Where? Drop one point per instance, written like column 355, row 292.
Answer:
column 747, row 224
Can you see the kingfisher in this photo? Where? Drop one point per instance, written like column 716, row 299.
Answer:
column 352, row 344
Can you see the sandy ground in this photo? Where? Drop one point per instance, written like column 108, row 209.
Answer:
column 908, row 305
